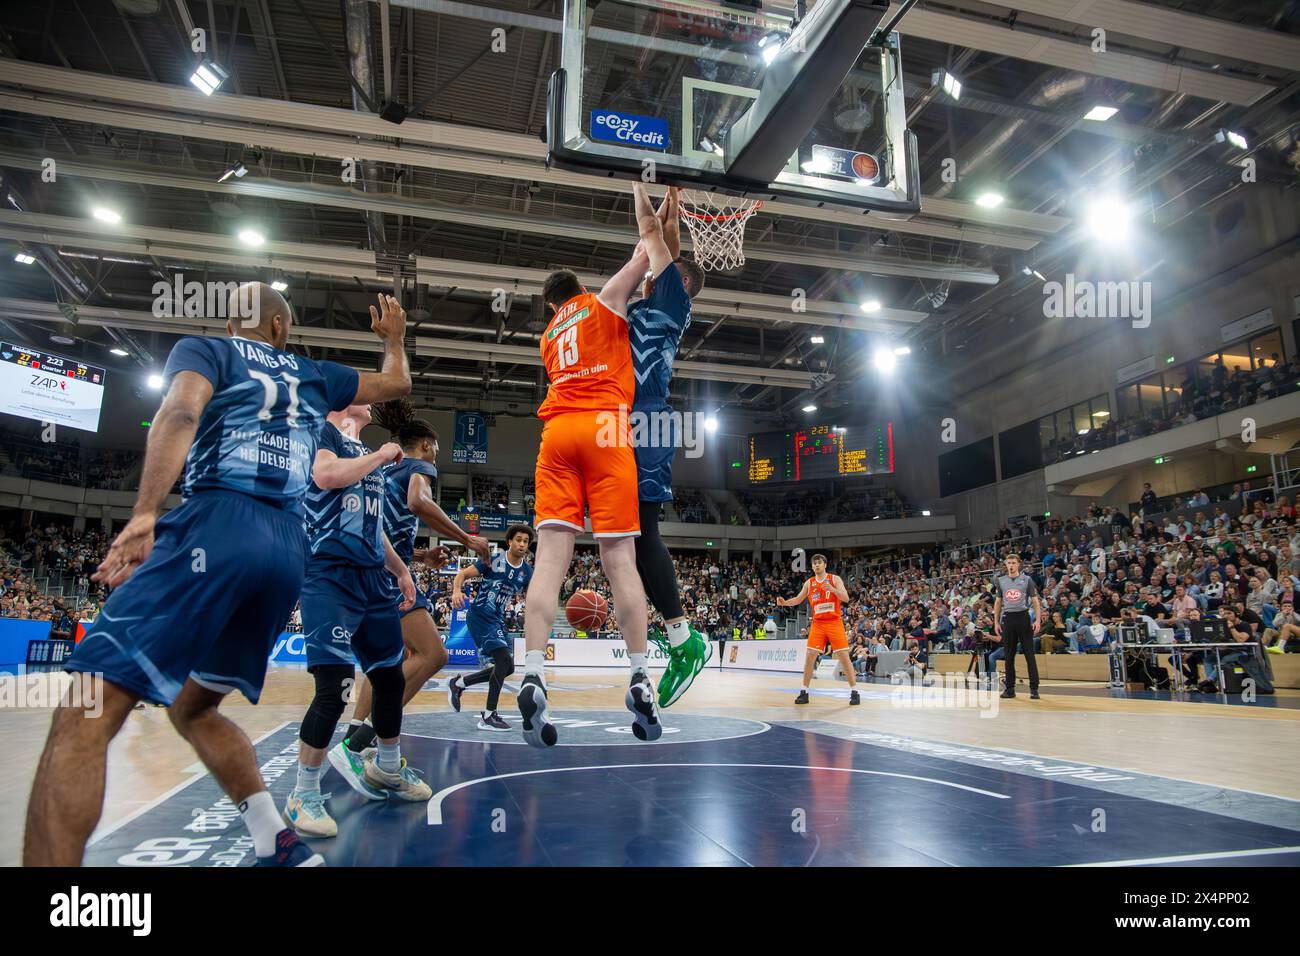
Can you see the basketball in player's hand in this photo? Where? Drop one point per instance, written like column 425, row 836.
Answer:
column 586, row 610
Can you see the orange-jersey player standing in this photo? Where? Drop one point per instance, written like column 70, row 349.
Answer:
column 825, row 594
column 586, row 464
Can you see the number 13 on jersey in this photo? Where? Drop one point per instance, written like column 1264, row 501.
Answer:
column 568, row 347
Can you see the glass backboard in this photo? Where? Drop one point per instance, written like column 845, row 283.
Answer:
column 662, row 84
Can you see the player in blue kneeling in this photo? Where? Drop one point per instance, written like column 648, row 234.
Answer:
column 202, row 593
column 504, row 577
column 348, row 609
column 408, row 499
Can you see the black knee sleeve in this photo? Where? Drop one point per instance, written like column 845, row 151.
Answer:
column 503, row 664
column 332, row 688
column 656, row 565
column 387, row 684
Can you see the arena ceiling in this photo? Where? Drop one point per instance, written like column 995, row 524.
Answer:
column 456, row 201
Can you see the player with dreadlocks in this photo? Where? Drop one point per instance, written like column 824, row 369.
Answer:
column 408, row 500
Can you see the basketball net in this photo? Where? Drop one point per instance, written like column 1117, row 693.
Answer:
column 717, row 226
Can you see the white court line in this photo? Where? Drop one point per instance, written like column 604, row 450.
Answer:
column 763, row 728
column 1023, row 753
column 1223, row 855
column 134, row 814
column 435, row 803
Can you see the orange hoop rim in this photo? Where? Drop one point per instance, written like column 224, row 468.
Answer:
column 726, row 216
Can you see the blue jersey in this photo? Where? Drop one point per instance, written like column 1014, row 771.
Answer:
column 257, row 436
column 400, row 522
column 347, row 524
column 655, row 327
column 498, row 583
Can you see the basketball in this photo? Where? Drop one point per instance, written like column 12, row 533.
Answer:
column 586, row 610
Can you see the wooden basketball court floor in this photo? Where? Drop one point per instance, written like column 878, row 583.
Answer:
column 742, row 776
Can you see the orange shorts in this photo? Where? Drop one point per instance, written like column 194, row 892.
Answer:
column 584, row 463
column 830, row 631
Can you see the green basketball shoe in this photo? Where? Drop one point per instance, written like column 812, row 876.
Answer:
column 684, row 663
column 659, row 640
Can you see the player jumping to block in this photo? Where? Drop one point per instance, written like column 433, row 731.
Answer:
column 655, row 326
column 586, row 463
column 408, row 500
column 825, row 594
column 504, row 576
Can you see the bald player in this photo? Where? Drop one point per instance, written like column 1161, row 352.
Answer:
column 202, row 593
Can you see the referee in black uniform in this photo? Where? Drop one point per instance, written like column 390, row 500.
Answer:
column 1011, row 624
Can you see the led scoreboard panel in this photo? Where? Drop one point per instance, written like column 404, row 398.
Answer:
column 819, row 452
column 48, row 388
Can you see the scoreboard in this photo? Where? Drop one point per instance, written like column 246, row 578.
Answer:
column 48, row 388
column 818, row 452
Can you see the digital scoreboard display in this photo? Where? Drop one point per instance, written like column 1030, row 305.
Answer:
column 818, row 452
column 48, row 388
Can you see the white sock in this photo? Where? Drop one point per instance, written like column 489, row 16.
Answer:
column 263, row 822
column 679, row 632
column 805, row 688
column 389, row 757
column 308, row 779
column 638, row 662
column 534, row 663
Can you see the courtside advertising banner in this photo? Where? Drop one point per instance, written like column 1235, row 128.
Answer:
column 765, row 655
column 594, row 652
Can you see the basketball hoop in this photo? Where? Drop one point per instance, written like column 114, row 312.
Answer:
column 717, row 226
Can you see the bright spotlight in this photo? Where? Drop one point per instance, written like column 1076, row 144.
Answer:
column 710, row 424
column 122, row 353
column 818, row 340
column 104, row 214
column 1108, row 218
column 989, row 200
column 156, row 382
column 208, row 77
column 870, row 305
column 925, row 514
column 279, row 285
column 1232, row 138
column 810, row 408
column 239, row 171
column 950, row 84
column 770, row 47
column 1100, row 114
column 902, row 350
column 24, row 258
column 884, row 360
column 251, row 237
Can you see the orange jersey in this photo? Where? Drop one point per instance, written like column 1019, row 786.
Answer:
column 588, row 359
column 823, row 600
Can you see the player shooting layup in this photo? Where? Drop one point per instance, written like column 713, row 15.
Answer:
column 586, row 462
column 196, row 610
column 825, row 593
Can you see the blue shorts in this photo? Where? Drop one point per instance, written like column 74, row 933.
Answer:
column 488, row 632
column 654, row 463
column 421, row 599
column 210, row 601
column 350, row 612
